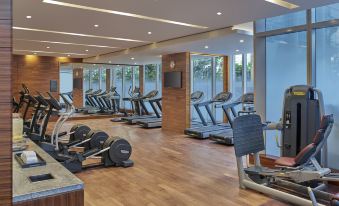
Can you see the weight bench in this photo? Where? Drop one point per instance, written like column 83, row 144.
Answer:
column 293, row 174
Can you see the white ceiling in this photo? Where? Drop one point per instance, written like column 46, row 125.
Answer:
column 73, row 20
column 220, row 42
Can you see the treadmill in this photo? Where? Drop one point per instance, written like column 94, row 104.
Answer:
column 153, row 122
column 196, row 97
column 203, row 131
column 156, row 106
column 247, row 103
column 140, row 106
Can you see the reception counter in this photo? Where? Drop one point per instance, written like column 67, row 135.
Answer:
column 57, row 187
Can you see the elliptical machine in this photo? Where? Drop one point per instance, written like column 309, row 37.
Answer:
column 107, row 151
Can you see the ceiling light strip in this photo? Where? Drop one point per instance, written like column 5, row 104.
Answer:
column 60, row 3
column 76, row 34
column 66, row 43
column 47, row 52
column 283, row 3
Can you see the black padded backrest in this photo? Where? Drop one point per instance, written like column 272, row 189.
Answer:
column 247, row 98
column 222, row 97
column 151, row 94
column 248, row 135
column 197, row 96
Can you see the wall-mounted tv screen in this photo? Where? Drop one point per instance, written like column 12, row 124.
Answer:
column 77, row 83
column 172, row 79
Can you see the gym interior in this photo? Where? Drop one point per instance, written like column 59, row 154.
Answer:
column 157, row 102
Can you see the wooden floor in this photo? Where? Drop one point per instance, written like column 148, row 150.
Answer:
column 170, row 169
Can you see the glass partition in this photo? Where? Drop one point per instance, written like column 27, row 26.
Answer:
column 237, row 76
column 136, row 76
column 86, row 76
column 327, row 75
column 150, row 82
column 103, row 78
column 127, row 83
column 326, row 13
column 201, row 67
column 249, row 74
column 66, row 79
column 219, row 84
column 281, row 22
column 285, row 66
column 94, row 75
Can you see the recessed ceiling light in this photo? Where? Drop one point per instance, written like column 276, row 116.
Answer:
column 149, row 32
column 48, row 47
column 28, row 17
column 68, row 55
column 109, row 61
column 66, row 43
column 237, row 50
column 135, row 63
column 96, row 25
column 241, row 41
column 75, row 34
column 283, row 3
column 219, row 13
column 86, row 50
column 34, row 53
column 132, row 58
column 206, row 47
column 47, row 52
column 60, row 3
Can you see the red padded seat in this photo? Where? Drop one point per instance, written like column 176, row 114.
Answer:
column 285, row 161
column 301, row 158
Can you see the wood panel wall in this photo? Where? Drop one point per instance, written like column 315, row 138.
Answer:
column 226, row 74
column 78, row 94
column 108, row 78
column 141, row 78
column 75, row 198
column 36, row 72
column 176, row 102
column 5, row 103
column 226, row 78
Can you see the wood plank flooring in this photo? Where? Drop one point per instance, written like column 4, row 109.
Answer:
column 170, row 169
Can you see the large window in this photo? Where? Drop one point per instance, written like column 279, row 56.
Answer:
column 127, row 83
column 219, row 84
column 202, row 81
column 207, row 75
column 94, row 75
column 285, row 66
column 86, row 80
column 327, row 75
column 280, row 22
column 136, row 76
column 117, row 77
column 326, row 13
column 125, row 78
column 249, row 75
column 242, row 75
column 150, row 82
column 307, row 54
column 66, row 79
column 237, row 76
column 103, row 78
